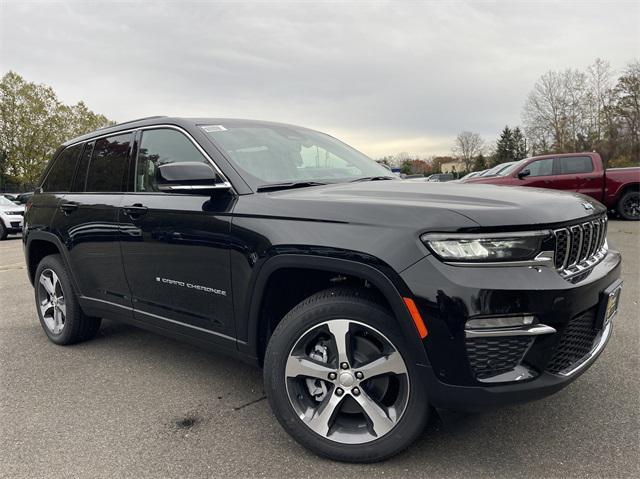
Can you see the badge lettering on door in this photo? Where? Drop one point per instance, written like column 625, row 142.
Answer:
column 198, row 287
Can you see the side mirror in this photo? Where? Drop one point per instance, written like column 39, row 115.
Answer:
column 189, row 177
column 524, row 173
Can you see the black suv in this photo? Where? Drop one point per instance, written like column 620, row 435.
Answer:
column 367, row 299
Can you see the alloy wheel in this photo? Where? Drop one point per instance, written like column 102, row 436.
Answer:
column 51, row 301
column 631, row 205
column 347, row 381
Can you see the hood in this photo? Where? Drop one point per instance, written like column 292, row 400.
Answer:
column 8, row 209
column 425, row 204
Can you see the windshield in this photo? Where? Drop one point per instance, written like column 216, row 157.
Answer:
column 6, row 202
column 511, row 168
column 270, row 154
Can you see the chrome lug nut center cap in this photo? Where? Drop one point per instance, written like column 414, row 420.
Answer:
column 346, row 379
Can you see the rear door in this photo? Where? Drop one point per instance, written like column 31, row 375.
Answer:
column 581, row 176
column 87, row 222
column 176, row 246
column 541, row 174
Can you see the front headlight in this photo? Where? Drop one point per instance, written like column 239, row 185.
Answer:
column 487, row 247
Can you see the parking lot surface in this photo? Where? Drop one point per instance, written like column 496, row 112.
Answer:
column 134, row 404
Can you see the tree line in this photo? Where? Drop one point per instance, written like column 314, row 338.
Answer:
column 566, row 111
column 33, row 123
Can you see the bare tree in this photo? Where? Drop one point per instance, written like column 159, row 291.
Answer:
column 467, row 146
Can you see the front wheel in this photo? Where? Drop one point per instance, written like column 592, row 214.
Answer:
column 340, row 380
column 629, row 205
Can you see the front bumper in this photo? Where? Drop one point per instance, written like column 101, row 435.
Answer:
column 448, row 296
column 13, row 224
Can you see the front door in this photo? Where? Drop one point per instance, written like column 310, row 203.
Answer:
column 175, row 247
column 540, row 174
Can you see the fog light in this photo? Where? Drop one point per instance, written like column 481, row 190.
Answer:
column 502, row 322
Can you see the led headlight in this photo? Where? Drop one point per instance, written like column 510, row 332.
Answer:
column 487, row 247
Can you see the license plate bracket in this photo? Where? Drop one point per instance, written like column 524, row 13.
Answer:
column 609, row 301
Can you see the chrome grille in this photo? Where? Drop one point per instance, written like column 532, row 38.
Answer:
column 580, row 246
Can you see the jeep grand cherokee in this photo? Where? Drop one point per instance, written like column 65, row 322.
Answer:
column 368, row 300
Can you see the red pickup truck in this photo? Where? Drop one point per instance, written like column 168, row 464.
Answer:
column 616, row 188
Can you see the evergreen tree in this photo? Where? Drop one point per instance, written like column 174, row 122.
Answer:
column 504, row 147
column 480, row 163
column 519, row 144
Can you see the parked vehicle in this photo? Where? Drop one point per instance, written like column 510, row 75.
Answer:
column 473, row 174
column 617, row 188
column 10, row 197
column 23, row 198
column 496, row 170
column 366, row 299
column 10, row 217
column 440, row 177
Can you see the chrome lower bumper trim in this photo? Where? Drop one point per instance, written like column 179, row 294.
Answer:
column 535, row 330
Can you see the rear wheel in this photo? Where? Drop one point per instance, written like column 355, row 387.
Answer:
column 58, row 309
column 629, row 205
column 340, row 380
column 3, row 231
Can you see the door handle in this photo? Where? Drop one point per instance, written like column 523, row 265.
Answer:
column 135, row 210
column 69, row 207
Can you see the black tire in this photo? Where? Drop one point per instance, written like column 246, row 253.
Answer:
column 77, row 325
column 3, row 231
column 354, row 305
column 629, row 205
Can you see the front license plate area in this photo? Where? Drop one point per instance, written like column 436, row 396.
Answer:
column 609, row 301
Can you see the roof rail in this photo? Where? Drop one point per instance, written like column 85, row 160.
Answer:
column 133, row 121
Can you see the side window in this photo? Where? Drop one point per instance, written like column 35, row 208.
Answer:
column 159, row 147
column 60, row 175
column 83, row 166
column 575, row 164
column 540, row 167
column 108, row 164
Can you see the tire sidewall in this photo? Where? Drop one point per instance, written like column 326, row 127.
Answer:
column 54, row 263
column 621, row 206
column 291, row 328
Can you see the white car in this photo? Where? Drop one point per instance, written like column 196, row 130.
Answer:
column 10, row 217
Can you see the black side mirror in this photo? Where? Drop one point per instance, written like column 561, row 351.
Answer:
column 189, row 177
column 524, row 173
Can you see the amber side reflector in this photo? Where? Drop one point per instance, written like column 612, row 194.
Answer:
column 417, row 319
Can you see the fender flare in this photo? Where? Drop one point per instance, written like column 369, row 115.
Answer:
column 55, row 240
column 393, row 293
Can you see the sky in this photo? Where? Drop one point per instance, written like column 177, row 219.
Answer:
column 385, row 77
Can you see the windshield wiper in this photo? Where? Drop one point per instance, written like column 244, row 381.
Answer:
column 373, row 178
column 289, row 185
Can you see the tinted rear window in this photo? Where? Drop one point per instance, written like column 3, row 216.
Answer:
column 61, row 173
column 575, row 164
column 108, row 164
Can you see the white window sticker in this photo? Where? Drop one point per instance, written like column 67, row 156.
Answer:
column 212, row 128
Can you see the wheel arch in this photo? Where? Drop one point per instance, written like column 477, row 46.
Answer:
column 40, row 244
column 392, row 292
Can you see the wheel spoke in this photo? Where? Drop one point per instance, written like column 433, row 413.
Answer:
column 380, row 421
column 297, row 366
column 47, row 284
column 322, row 417
column 340, row 331
column 62, row 306
column 390, row 364
column 57, row 318
column 45, row 307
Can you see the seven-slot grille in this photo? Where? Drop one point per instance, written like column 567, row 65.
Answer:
column 580, row 246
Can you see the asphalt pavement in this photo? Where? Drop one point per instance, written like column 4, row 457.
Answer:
column 134, row 404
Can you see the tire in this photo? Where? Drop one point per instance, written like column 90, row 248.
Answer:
column 3, row 231
column 629, row 205
column 351, row 434
column 61, row 317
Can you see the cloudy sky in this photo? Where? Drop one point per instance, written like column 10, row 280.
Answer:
column 383, row 76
